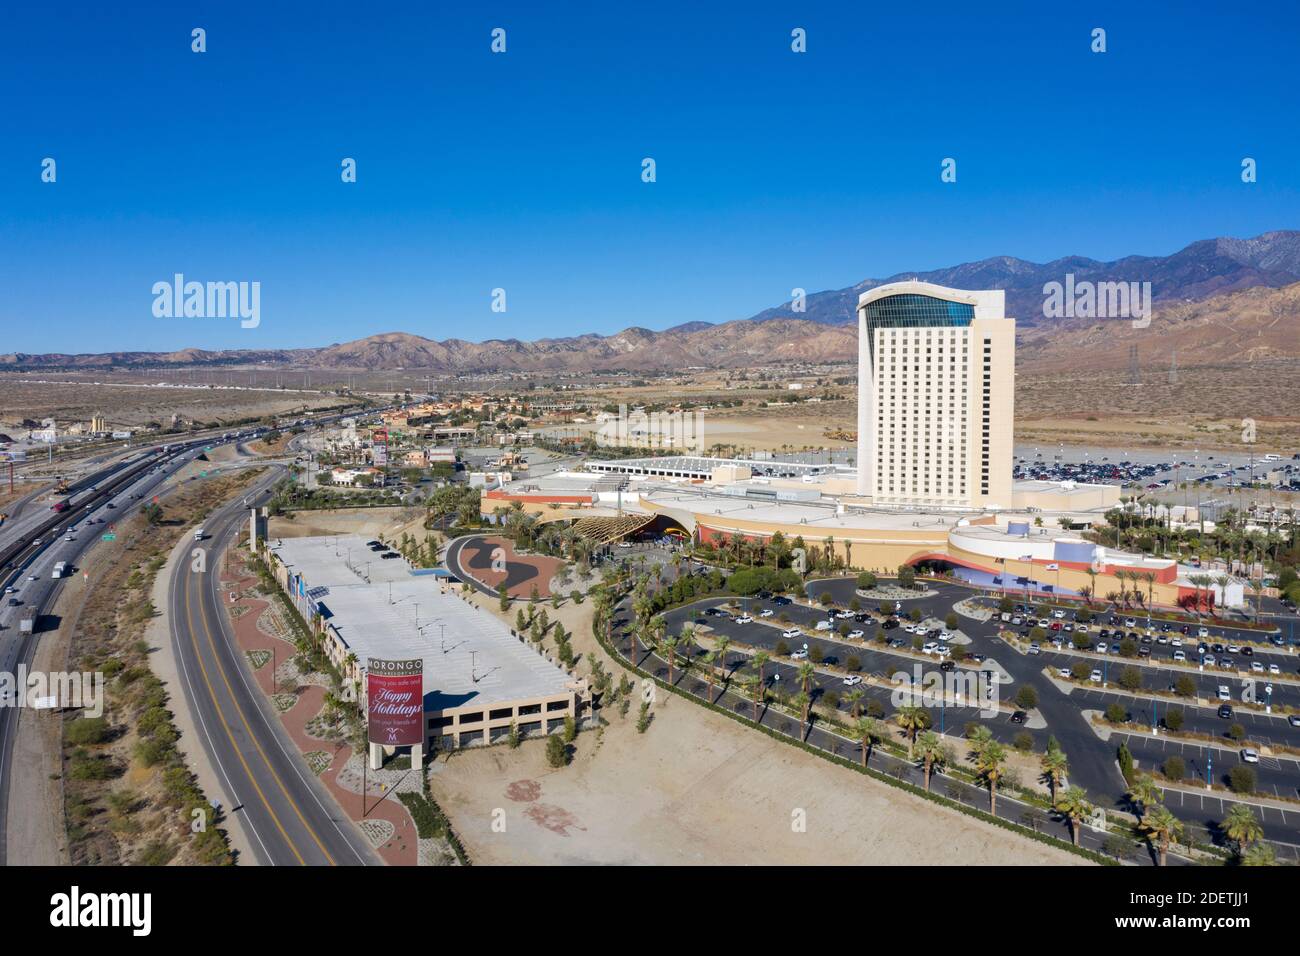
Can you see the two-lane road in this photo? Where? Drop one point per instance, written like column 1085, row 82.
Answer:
column 286, row 812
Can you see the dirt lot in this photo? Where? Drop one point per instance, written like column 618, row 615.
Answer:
column 370, row 522
column 131, row 400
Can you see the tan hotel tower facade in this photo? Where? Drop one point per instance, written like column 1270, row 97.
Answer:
column 936, row 397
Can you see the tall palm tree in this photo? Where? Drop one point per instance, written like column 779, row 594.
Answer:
column 1076, row 808
column 1242, row 827
column 931, row 751
column 803, row 702
column 806, row 674
column 1144, row 794
column 668, row 645
column 723, row 644
column 913, row 720
column 870, row 732
column 989, row 764
column 756, row 689
column 1161, row 828
column 1055, row 767
column 758, row 662
column 854, row 697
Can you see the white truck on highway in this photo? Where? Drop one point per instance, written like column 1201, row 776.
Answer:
column 59, row 569
column 198, row 534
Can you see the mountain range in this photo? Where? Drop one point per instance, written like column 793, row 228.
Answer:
column 1228, row 292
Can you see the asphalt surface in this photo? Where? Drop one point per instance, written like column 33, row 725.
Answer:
column 290, row 818
column 35, row 589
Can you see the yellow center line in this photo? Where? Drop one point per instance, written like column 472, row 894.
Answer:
column 225, row 678
column 189, row 620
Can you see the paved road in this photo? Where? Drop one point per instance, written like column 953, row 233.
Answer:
column 290, row 818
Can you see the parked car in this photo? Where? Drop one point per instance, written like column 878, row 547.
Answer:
column 1224, row 693
column 1249, row 755
column 1018, row 717
column 1095, row 676
column 853, row 680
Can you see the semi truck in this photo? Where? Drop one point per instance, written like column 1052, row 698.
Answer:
column 60, row 568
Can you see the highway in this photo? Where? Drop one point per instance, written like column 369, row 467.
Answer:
column 66, row 536
column 38, row 537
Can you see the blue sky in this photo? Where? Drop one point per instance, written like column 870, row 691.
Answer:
column 522, row 171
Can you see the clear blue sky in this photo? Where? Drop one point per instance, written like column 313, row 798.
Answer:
column 522, row 170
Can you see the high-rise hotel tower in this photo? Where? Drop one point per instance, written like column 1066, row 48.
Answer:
column 936, row 396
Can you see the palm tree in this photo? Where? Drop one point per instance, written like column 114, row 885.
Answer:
column 756, row 689
column 803, row 702
column 913, row 720
column 932, row 753
column 723, row 643
column 870, row 732
column 758, row 662
column 1242, row 827
column 668, row 645
column 854, row 697
column 806, row 674
column 1161, row 828
column 1055, row 766
column 1259, row 854
column 989, row 764
column 1075, row 807
column 1144, row 794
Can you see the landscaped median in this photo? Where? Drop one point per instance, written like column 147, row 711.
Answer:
column 1183, row 671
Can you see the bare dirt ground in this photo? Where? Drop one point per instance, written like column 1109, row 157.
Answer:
column 130, row 401
column 371, row 522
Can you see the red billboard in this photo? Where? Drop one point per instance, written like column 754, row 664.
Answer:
column 395, row 698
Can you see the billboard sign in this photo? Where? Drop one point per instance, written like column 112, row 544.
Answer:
column 395, row 702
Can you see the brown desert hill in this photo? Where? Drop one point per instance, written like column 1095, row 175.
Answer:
column 1257, row 325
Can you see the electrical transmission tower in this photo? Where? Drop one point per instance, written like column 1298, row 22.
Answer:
column 1134, row 371
column 1173, row 367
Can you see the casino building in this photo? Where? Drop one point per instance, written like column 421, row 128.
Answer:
column 936, row 393
column 932, row 482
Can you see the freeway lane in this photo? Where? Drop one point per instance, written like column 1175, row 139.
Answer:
column 289, row 817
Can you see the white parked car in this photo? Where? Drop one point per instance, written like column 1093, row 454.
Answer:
column 791, row 632
column 856, row 635
column 825, row 625
column 944, row 651
column 1274, row 669
column 1224, row 693
column 1058, row 614
column 1176, row 642
column 853, row 680
column 1202, row 632
column 1234, row 648
column 1095, row 677
column 1180, row 656
column 1249, row 755
column 1209, row 660
column 929, row 647
column 766, row 612
column 1257, row 667
column 744, row 619
column 799, row 655
column 1063, row 672
column 1100, row 648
